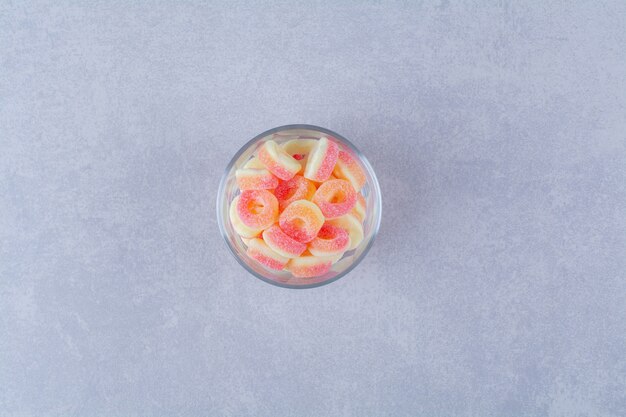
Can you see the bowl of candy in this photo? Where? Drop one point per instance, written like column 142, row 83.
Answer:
column 299, row 206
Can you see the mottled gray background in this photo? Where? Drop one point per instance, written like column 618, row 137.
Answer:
column 497, row 285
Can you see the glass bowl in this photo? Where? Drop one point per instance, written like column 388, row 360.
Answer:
column 228, row 190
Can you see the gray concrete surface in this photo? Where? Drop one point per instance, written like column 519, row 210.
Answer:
column 497, row 286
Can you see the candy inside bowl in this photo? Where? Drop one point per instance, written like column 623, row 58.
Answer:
column 299, row 206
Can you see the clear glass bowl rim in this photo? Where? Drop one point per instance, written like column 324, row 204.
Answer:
column 362, row 159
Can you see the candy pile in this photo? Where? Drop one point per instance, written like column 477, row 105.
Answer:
column 300, row 206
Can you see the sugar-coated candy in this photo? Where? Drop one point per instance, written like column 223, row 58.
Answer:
column 331, row 240
column 241, row 229
column 299, row 149
column 283, row 244
column 277, row 161
column 254, row 163
column 297, row 188
column 359, row 208
column 300, row 207
column 309, row 266
column 335, row 198
column 349, row 169
column 255, row 179
column 262, row 253
column 257, row 209
column 301, row 220
column 322, row 159
column 353, row 226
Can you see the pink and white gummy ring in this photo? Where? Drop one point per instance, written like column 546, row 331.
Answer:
column 282, row 244
column 353, row 226
column 297, row 188
column 257, row 209
column 309, row 266
column 241, row 229
column 322, row 159
column 301, row 220
column 262, row 253
column 331, row 240
column 277, row 161
column 349, row 169
column 335, row 198
column 255, row 179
